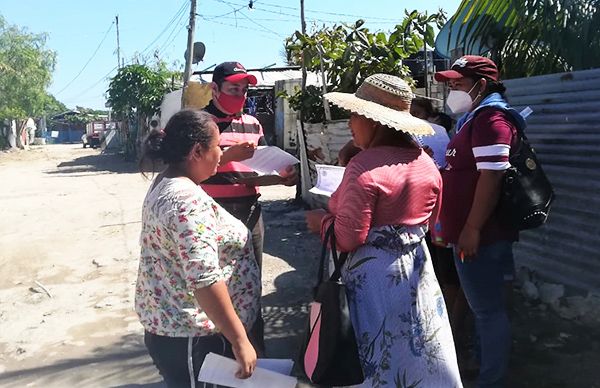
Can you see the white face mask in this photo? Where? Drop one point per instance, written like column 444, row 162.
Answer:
column 459, row 101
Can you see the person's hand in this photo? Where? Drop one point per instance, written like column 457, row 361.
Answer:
column 289, row 175
column 314, row 218
column 245, row 355
column 239, row 152
column 468, row 241
column 348, row 151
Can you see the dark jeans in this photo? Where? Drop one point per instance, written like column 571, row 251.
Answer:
column 170, row 356
column 483, row 280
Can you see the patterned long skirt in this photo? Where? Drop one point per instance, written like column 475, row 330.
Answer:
column 398, row 312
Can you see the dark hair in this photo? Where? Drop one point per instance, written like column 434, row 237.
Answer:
column 424, row 103
column 495, row 87
column 185, row 129
column 444, row 120
column 492, row 87
column 219, row 82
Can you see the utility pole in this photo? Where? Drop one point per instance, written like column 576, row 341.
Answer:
column 118, row 44
column 190, row 44
column 303, row 25
column 426, row 76
column 301, row 189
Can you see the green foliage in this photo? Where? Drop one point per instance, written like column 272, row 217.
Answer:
column 532, row 37
column 310, row 105
column 78, row 118
column 26, row 68
column 139, row 88
column 349, row 53
column 135, row 93
column 52, row 106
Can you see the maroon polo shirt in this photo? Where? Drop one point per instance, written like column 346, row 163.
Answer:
column 483, row 143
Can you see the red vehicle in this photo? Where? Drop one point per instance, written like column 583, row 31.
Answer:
column 92, row 139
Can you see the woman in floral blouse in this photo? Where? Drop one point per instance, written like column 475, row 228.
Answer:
column 198, row 284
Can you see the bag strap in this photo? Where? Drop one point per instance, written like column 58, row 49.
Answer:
column 521, row 138
column 338, row 261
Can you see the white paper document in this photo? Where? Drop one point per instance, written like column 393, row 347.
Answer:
column 279, row 365
column 328, row 179
column 269, row 160
column 437, row 142
column 221, row 370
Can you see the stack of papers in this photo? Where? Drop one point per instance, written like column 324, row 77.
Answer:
column 328, row 179
column 221, row 370
column 437, row 142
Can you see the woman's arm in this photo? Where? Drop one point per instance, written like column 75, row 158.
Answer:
column 198, row 231
column 487, row 193
column 356, row 196
column 215, row 301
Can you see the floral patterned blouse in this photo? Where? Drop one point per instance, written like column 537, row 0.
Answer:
column 188, row 242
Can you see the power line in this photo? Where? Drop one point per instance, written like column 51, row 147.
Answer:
column 240, row 27
column 169, row 24
column 261, row 26
column 88, row 89
column 295, row 17
column 89, row 60
column 182, row 22
column 271, row 5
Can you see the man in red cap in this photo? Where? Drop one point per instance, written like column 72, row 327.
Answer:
column 240, row 135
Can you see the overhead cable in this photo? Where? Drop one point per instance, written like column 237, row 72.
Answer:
column 89, row 60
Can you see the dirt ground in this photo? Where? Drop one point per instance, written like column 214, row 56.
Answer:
column 69, row 227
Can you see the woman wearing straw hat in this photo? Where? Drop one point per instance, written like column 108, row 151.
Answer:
column 390, row 193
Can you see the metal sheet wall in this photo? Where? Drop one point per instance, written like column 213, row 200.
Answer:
column 564, row 129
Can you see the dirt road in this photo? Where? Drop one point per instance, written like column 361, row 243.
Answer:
column 69, row 225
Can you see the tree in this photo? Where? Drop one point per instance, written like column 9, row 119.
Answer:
column 26, row 68
column 349, row 53
column 531, row 37
column 135, row 94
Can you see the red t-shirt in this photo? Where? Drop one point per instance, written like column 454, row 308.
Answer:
column 483, row 143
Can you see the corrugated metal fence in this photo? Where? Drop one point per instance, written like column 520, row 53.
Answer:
column 564, row 129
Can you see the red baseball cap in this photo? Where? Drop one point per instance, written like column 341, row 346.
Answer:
column 472, row 66
column 232, row 72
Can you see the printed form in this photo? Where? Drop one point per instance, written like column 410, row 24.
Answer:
column 221, row 370
column 328, row 179
column 269, row 160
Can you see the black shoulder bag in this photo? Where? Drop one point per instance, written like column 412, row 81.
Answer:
column 329, row 352
column 526, row 194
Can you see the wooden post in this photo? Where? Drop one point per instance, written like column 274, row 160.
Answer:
column 118, row 44
column 190, row 49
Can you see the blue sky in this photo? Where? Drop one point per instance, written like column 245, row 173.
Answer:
column 83, row 32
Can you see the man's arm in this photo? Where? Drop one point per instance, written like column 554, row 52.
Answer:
column 238, row 152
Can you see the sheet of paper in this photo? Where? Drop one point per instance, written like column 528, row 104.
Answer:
column 279, row 365
column 269, row 160
column 328, row 179
column 221, row 370
column 437, row 142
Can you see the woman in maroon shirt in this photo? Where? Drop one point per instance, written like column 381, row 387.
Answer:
column 389, row 195
column 476, row 160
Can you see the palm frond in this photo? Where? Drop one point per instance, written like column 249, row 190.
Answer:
column 530, row 37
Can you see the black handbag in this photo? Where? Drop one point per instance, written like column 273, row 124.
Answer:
column 526, row 194
column 329, row 353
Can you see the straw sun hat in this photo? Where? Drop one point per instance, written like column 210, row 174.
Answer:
column 386, row 99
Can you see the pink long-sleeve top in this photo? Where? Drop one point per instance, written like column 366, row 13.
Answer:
column 383, row 185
